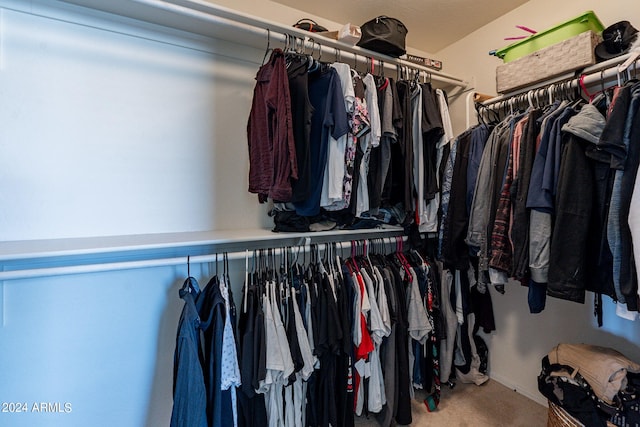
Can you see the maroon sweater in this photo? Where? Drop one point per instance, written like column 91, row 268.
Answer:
column 272, row 156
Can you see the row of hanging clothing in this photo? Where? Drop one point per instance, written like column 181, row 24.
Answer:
column 330, row 146
column 321, row 341
column 546, row 196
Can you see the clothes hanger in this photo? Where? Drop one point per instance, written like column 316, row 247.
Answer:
column 539, row 98
column 319, row 52
column 478, row 107
column 338, row 261
column 246, row 281
column 308, row 57
column 266, row 52
column 354, row 249
column 530, row 99
column 226, row 269
column 366, row 248
column 190, row 285
column 216, row 264
column 416, row 78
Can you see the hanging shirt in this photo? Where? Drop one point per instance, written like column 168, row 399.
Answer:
column 329, row 119
column 252, row 412
column 403, row 163
column 301, row 110
column 211, row 307
column 272, row 151
column 380, row 156
column 383, row 303
column 334, row 174
column 419, row 326
column 375, row 323
column 367, row 141
column 282, row 366
column 455, row 253
column 501, row 247
column 376, row 393
column 418, row 157
column 189, row 394
column 305, row 347
column 446, row 137
column 447, row 180
column 230, row 371
column 432, row 128
column 365, row 347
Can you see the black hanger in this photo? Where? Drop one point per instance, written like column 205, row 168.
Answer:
column 190, row 285
column 416, row 78
column 266, row 52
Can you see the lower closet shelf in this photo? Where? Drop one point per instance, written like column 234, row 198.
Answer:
column 39, row 258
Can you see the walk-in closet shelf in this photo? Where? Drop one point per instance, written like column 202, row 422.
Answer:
column 594, row 77
column 210, row 20
column 38, row 258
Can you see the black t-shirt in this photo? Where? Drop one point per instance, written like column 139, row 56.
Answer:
column 301, row 111
column 329, row 118
column 432, row 131
column 405, row 140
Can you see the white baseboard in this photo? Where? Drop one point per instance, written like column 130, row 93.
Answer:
column 535, row 396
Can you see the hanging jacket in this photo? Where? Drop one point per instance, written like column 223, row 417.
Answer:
column 211, row 307
column 627, row 274
column 189, row 394
column 520, row 190
column 574, row 200
column 632, row 215
column 272, row 152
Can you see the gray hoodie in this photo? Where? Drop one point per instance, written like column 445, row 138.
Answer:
column 587, row 124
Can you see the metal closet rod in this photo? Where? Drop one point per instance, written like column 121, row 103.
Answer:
column 305, row 245
column 219, row 15
column 591, row 75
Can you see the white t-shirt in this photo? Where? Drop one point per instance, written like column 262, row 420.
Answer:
column 335, row 167
column 371, row 139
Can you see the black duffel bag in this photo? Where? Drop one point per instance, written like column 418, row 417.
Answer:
column 384, row 35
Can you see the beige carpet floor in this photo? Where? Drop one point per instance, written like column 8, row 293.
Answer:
column 468, row 405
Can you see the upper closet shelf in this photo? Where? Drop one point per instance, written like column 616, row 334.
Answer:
column 612, row 70
column 210, row 20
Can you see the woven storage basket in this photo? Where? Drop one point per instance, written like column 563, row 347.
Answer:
column 566, row 56
column 558, row 417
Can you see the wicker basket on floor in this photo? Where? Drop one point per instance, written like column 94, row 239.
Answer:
column 558, row 417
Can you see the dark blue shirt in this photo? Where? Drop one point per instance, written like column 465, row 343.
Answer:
column 329, row 118
column 189, row 395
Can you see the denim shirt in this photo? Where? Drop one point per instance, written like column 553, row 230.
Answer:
column 189, row 395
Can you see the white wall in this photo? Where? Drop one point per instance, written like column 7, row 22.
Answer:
column 110, row 129
column 522, row 339
column 116, row 130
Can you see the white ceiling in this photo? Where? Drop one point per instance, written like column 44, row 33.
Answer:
column 432, row 24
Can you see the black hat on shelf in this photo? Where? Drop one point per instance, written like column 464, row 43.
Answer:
column 616, row 40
